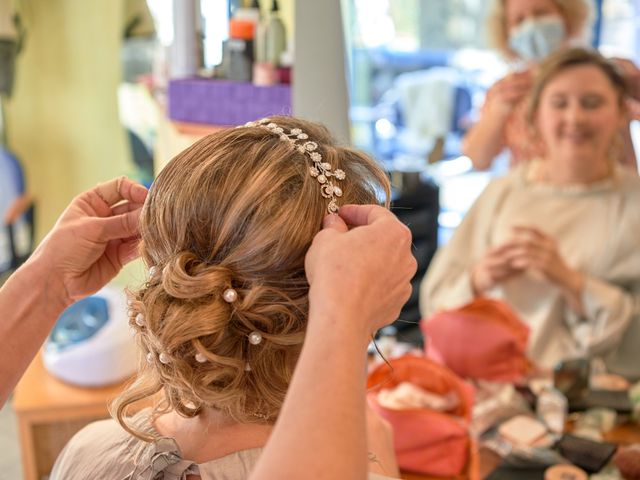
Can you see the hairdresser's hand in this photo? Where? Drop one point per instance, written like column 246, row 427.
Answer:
column 363, row 272
column 93, row 238
column 631, row 74
column 507, row 92
column 496, row 266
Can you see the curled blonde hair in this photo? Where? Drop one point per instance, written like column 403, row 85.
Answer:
column 577, row 14
column 238, row 209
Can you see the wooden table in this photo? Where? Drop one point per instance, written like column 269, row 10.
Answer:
column 50, row 412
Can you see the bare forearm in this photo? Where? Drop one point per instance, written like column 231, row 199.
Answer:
column 321, row 430
column 73, row 261
column 485, row 140
column 30, row 302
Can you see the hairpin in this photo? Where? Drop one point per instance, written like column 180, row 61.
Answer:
column 150, row 357
column 164, row 358
column 153, row 271
column 140, row 320
column 230, row 295
column 255, row 338
column 321, row 171
column 200, row 358
column 261, row 416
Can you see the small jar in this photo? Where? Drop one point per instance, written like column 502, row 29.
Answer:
column 552, row 408
column 238, row 50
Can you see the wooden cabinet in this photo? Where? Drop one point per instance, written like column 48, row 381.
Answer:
column 49, row 412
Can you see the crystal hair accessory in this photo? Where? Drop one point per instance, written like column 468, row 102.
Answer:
column 261, row 416
column 321, row 171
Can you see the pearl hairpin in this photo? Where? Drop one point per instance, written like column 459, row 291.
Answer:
column 230, row 295
column 140, row 320
column 255, row 338
column 200, row 358
column 150, row 357
column 164, row 358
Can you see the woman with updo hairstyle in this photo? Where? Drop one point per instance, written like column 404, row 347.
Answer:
column 222, row 317
column 557, row 237
column 524, row 33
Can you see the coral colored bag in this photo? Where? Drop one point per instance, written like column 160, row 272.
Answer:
column 426, row 441
column 484, row 339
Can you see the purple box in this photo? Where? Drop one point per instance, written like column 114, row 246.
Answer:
column 223, row 102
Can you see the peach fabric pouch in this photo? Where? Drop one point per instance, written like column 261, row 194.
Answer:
column 426, row 441
column 484, row 339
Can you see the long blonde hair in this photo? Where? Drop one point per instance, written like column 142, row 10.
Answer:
column 238, row 209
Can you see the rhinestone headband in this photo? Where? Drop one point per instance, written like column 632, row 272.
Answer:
column 321, row 171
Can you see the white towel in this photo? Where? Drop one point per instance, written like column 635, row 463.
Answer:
column 427, row 99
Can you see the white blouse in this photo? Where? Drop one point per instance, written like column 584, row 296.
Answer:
column 597, row 229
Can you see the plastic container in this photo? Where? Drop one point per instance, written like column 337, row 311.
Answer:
column 260, row 43
column 252, row 14
column 552, row 408
column 275, row 35
column 284, row 70
column 265, row 74
column 238, row 50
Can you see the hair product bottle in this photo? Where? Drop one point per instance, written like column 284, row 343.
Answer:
column 275, row 36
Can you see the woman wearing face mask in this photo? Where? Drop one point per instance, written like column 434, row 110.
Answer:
column 557, row 238
column 525, row 32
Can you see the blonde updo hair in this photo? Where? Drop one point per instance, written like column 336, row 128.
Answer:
column 577, row 14
column 562, row 60
column 238, row 209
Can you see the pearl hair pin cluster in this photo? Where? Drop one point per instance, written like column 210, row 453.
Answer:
column 321, row 171
column 229, row 295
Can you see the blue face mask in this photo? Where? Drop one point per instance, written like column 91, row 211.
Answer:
column 536, row 38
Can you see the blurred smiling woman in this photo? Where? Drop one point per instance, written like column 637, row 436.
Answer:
column 557, row 238
column 525, row 32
